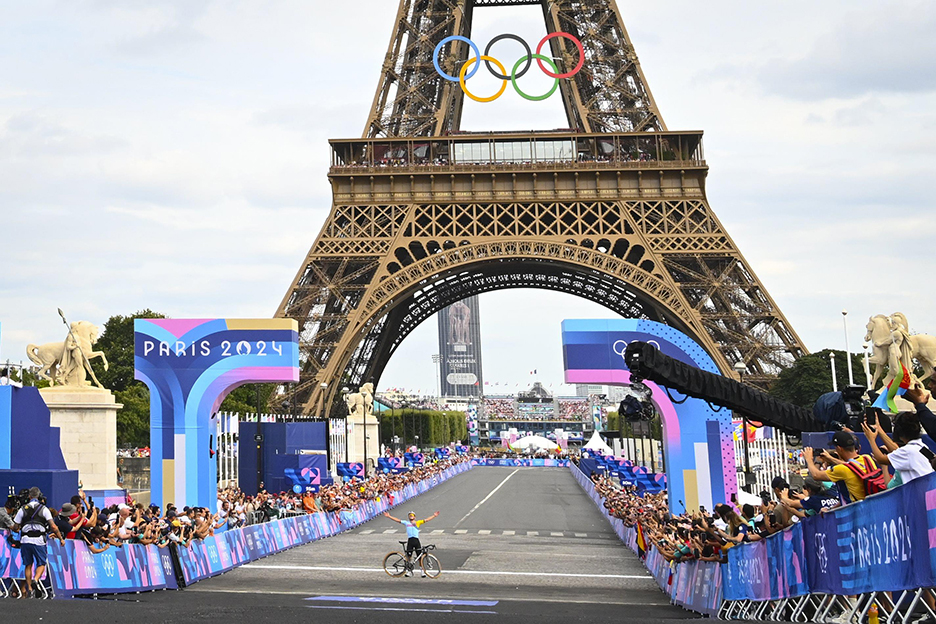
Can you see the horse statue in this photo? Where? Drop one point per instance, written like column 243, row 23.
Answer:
column 68, row 362
column 361, row 403
column 893, row 345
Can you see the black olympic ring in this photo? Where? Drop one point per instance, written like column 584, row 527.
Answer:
column 521, row 41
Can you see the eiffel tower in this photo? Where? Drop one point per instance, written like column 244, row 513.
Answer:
column 613, row 210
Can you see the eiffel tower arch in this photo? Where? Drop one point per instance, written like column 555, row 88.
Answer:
column 613, row 210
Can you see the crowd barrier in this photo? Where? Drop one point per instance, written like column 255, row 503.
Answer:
column 74, row 570
column 881, row 550
column 886, row 543
column 522, row 462
column 693, row 585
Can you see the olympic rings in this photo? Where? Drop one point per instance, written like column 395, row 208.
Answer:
column 461, row 79
column 526, row 46
column 515, row 75
column 578, row 44
column 464, row 75
column 438, row 48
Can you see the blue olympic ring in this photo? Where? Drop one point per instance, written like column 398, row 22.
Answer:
column 438, row 48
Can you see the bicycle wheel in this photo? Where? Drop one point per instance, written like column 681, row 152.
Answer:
column 430, row 565
column 394, row 564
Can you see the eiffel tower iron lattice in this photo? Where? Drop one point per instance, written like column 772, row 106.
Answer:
column 614, row 210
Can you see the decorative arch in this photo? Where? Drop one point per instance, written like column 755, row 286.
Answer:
column 396, row 305
column 697, row 439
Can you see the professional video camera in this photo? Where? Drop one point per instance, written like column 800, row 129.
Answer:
column 637, row 406
column 848, row 408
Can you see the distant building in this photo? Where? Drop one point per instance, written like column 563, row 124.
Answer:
column 460, row 373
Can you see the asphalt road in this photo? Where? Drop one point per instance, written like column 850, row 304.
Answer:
column 520, row 543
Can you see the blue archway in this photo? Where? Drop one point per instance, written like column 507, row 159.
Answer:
column 697, row 439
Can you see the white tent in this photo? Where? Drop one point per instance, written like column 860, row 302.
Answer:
column 534, row 443
column 597, row 444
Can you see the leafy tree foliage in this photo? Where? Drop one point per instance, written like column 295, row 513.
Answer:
column 811, row 376
column 433, row 428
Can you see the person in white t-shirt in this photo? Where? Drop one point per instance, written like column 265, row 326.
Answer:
column 906, row 453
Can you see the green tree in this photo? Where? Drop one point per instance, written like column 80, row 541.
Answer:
column 243, row 399
column 116, row 341
column 811, row 376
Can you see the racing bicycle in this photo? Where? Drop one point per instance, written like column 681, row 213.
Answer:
column 395, row 563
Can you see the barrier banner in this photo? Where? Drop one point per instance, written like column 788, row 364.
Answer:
column 697, row 586
column 11, row 559
column 884, row 541
column 75, row 570
column 522, row 463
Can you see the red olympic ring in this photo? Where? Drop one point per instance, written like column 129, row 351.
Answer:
column 578, row 44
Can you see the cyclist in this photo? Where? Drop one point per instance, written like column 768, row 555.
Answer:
column 412, row 533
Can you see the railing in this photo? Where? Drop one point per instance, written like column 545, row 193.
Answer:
column 428, row 168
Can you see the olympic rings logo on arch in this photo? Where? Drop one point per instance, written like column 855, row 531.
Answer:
column 475, row 64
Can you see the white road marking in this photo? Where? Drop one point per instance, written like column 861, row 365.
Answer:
column 484, row 500
column 390, row 531
column 556, row 533
column 581, row 535
column 484, row 532
column 460, row 532
column 437, row 532
column 399, row 609
column 510, row 532
column 256, row 566
column 564, row 599
column 533, row 533
column 367, row 532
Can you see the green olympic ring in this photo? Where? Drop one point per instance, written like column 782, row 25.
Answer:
column 534, row 98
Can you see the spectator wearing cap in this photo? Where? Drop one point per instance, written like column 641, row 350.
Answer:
column 845, row 447
column 906, row 453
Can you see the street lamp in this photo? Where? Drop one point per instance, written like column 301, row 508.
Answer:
column 323, row 387
column 347, row 430
column 741, row 368
column 851, row 375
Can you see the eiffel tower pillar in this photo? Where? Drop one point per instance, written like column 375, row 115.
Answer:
column 614, row 211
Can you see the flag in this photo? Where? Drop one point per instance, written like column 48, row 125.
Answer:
column 641, row 542
column 897, row 387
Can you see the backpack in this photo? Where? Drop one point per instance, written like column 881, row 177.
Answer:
column 871, row 475
column 37, row 518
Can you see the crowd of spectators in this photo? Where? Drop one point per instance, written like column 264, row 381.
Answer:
column 134, row 452
column 498, row 408
column 135, row 523
column 837, row 476
column 571, row 409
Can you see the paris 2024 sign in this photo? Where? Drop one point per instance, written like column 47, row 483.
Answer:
column 190, row 366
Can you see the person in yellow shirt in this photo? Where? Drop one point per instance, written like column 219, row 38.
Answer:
column 846, row 447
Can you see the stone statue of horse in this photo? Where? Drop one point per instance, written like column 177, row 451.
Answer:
column 60, row 366
column 361, row 403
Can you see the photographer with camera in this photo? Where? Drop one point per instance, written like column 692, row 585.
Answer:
column 34, row 521
column 6, row 513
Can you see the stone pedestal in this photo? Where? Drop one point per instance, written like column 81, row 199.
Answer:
column 356, row 441
column 87, row 418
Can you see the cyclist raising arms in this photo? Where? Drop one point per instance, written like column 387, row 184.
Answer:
column 412, row 532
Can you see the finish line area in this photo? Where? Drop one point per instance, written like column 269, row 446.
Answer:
column 536, row 549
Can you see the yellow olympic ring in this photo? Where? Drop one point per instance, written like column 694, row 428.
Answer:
column 461, row 79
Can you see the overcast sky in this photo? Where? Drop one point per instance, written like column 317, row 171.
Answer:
column 173, row 155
